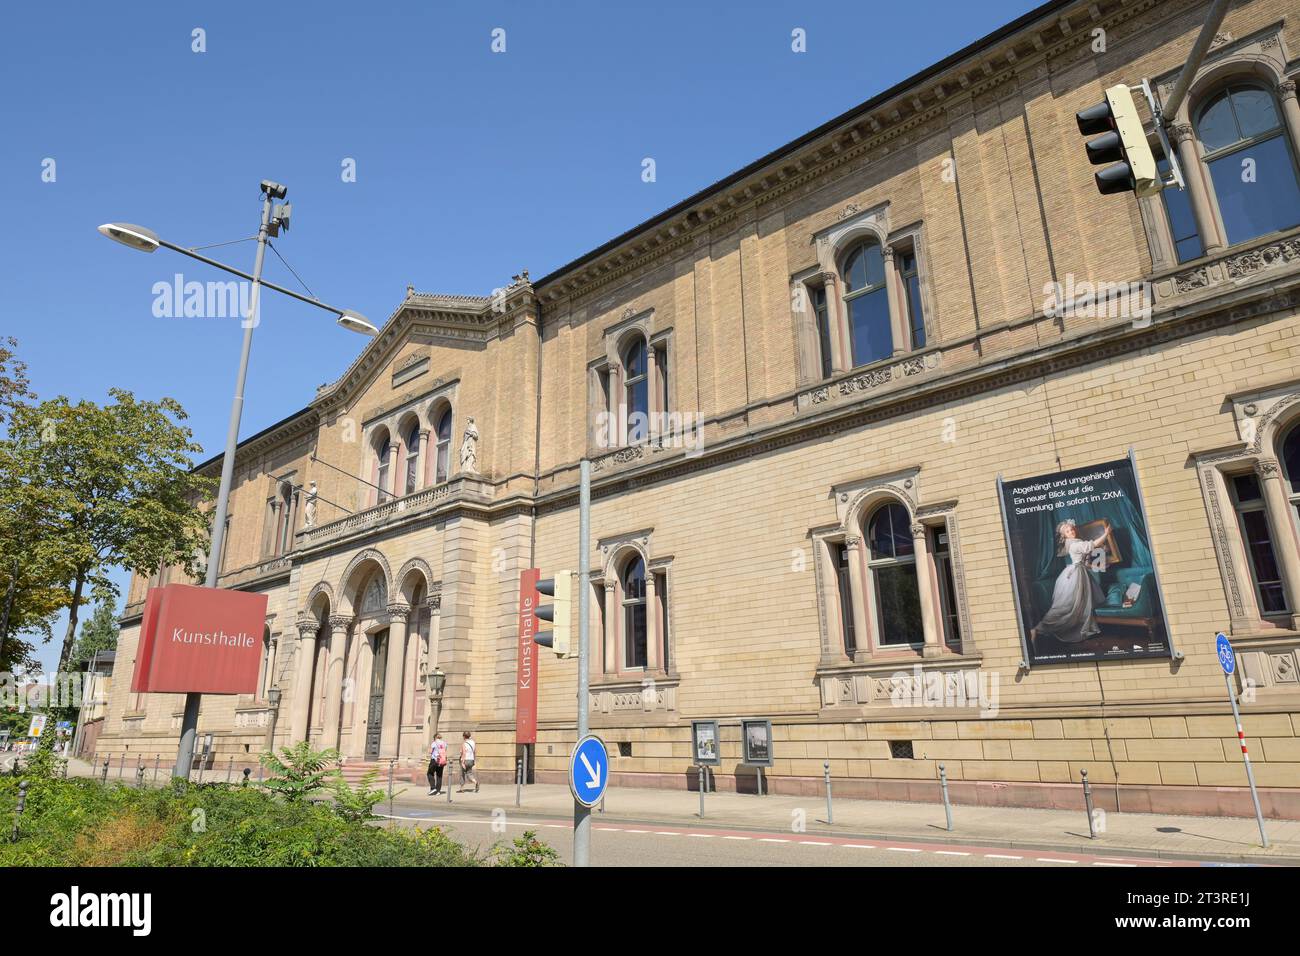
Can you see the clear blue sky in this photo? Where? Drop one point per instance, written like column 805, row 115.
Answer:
column 470, row 164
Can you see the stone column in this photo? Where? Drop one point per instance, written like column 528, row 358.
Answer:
column 390, row 732
column 862, row 641
column 838, row 322
column 334, row 680
column 396, row 482
column 1284, row 533
column 897, row 322
column 1198, row 190
column 361, row 695
column 924, row 578
column 422, row 461
column 302, row 683
column 652, row 391
column 1290, row 110
column 652, row 656
column 612, row 662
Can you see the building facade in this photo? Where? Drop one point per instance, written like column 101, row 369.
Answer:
column 801, row 391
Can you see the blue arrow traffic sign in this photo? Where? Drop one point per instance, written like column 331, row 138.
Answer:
column 589, row 770
column 1227, row 659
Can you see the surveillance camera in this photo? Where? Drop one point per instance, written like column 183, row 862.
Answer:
column 274, row 190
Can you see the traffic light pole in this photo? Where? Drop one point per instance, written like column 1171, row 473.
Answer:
column 582, row 814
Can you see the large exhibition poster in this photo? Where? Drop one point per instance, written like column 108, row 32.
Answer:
column 1082, row 565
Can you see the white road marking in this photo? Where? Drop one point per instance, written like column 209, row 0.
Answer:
column 903, row 849
column 813, row 843
column 860, row 846
column 638, row 831
column 951, row 853
column 1051, row 859
column 1101, row 863
column 772, row 840
column 1001, row 856
column 737, row 838
column 701, row 836
column 667, row 833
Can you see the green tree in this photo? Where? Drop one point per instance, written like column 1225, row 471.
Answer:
column 104, row 486
column 30, row 595
column 97, row 634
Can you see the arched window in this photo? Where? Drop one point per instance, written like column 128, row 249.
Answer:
column 1251, row 166
column 867, row 301
column 1291, row 470
column 891, row 561
column 636, row 391
column 412, row 457
column 635, row 635
column 381, row 471
column 442, row 458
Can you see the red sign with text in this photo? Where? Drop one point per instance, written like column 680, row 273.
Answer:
column 526, row 679
column 199, row 640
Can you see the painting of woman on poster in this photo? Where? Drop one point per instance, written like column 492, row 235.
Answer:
column 1082, row 566
column 1070, row 618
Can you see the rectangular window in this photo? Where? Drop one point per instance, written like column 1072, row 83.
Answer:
column 661, row 370
column 823, row 329
column 841, row 555
column 947, row 593
column 1182, row 224
column 1258, row 539
column 912, row 283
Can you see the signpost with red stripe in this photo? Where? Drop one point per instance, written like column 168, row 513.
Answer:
column 1228, row 661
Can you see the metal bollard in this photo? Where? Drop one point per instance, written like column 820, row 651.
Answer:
column 391, row 762
column 602, row 802
column 104, row 778
column 1087, row 802
column 121, row 766
column 230, row 768
column 701, row 791
column 830, row 810
column 139, row 773
column 22, row 802
column 248, row 772
column 519, row 782
column 451, row 778
column 260, row 771
column 943, row 785
column 156, row 758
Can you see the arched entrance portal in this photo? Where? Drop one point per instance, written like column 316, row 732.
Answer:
column 375, row 710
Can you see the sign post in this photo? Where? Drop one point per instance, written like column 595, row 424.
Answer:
column 581, row 810
column 1228, row 661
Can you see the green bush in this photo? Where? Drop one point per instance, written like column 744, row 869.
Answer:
column 525, row 850
column 84, row 823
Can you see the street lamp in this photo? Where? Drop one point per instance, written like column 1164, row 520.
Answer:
column 146, row 240
column 437, row 683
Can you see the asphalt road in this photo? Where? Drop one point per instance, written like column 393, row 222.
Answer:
column 654, row 844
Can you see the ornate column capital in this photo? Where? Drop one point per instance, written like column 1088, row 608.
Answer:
column 1286, row 89
column 1182, row 132
column 340, row 622
column 888, row 252
column 1267, row 468
column 609, row 587
column 918, row 530
column 828, row 278
column 307, row 626
column 852, row 541
column 398, row 609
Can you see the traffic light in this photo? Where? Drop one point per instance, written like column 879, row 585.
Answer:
column 560, row 590
column 1123, row 144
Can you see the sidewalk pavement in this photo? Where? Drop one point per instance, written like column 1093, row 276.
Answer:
column 1157, row 836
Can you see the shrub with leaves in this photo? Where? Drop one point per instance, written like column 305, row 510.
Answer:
column 357, row 804
column 299, row 770
column 525, row 850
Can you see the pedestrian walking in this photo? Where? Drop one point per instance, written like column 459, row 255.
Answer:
column 437, row 763
column 467, row 755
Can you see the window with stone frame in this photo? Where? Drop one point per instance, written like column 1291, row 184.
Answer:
column 442, row 453
column 1258, row 538
column 1249, row 159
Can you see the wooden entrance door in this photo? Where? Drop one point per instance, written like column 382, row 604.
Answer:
column 375, row 717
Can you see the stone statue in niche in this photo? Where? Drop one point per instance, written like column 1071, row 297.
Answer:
column 469, row 448
column 309, row 510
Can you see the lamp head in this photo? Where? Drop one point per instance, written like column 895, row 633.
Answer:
column 128, row 234
column 357, row 322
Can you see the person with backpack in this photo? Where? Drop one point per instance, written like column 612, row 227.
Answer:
column 437, row 762
column 467, row 756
